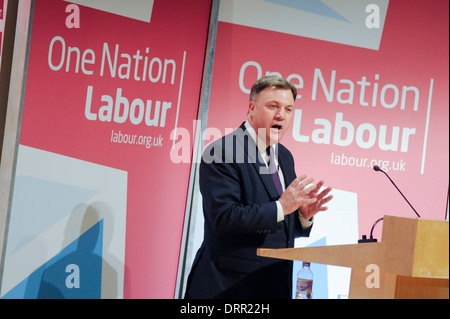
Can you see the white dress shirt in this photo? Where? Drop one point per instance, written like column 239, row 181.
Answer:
column 261, row 145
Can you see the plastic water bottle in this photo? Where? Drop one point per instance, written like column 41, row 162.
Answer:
column 304, row 282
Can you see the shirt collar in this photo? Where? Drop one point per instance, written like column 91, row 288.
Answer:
column 261, row 145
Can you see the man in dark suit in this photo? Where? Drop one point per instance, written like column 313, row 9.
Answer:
column 243, row 208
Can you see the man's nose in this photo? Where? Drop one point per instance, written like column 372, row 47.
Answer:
column 281, row 113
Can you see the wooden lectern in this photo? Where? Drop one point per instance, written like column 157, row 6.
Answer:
column 412, row 258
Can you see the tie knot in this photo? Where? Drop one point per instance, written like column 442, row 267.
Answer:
column 273, row 170
column 271, row 162
column 271, row 152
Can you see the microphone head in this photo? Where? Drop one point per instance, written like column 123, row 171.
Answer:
column 377, row 168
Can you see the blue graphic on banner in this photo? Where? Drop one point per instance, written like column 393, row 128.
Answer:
column 315, row 6
column 320, row 279
column 37, row 205
column 74, row 273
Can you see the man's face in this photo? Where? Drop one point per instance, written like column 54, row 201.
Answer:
column 271, row 113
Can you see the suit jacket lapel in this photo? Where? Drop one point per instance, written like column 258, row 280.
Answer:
column 287, row 174
column 288, row 178
column 254, row 157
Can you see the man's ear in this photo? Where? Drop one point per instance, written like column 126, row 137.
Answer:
column 251, row 107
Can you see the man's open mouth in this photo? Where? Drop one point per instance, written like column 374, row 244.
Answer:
column 277, row 127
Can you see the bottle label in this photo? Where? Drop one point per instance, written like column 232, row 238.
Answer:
column 304, row 287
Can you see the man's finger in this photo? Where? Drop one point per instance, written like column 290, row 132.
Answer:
column 305, row 183
column 324, row 193
column 297, row 180
column 309, row 188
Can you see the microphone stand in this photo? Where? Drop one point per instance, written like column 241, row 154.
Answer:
column 371, row 239
column 377, row 168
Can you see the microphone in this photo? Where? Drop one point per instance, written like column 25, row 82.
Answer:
column 378, row 169
column 371, row 239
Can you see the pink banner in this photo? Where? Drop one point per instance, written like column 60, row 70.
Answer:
column 357, row 107
column 110, row 92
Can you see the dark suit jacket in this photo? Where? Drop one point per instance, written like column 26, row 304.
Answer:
column 240, row 216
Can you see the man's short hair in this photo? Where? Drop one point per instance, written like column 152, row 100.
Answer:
column 269, row 81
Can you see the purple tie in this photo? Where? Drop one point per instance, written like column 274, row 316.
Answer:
column 273, row 171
